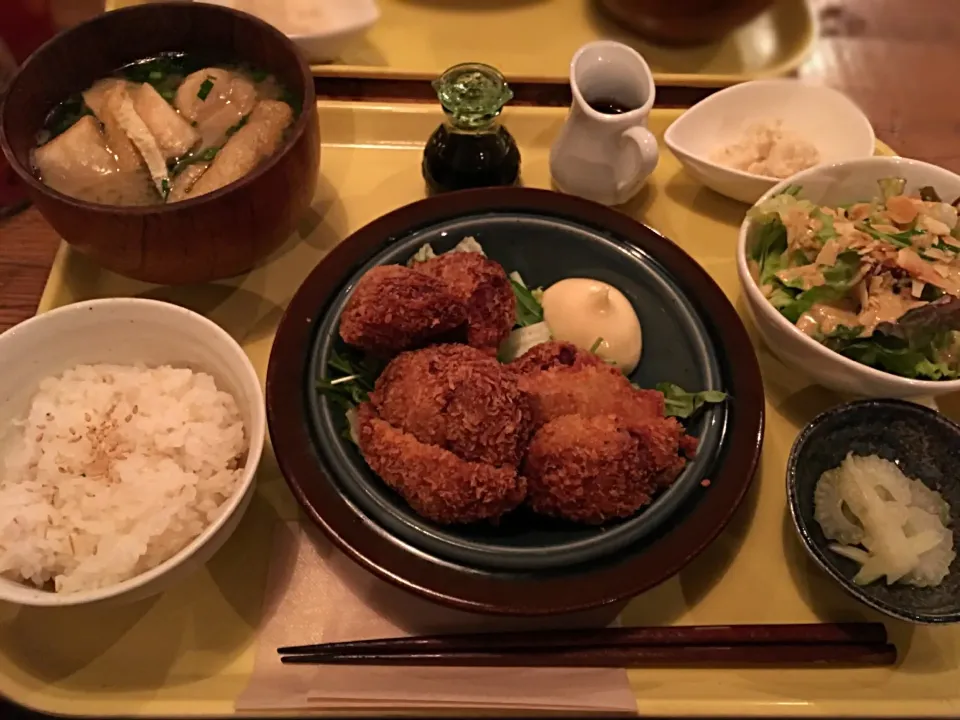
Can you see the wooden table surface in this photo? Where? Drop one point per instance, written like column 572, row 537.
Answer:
column 896, row 58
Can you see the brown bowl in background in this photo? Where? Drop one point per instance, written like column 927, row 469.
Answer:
column 683, row 22
column 218, row 235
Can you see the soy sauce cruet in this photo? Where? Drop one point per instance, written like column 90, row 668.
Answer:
column 471, row 148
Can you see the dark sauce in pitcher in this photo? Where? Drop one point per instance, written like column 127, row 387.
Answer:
column 471, row 148
column 609, row 107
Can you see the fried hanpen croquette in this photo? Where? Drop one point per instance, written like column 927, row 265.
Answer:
column 436, row 483
column 589, row 390
column 554, row 354
column 446, row 427
column 458, row 398
column 603, row 447
column 395, row 308
column 484, row 287
column 563, row 380
column 589, row 469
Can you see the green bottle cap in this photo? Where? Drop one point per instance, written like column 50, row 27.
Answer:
column 473, row 94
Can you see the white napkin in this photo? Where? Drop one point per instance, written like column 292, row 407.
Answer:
column 316, row 594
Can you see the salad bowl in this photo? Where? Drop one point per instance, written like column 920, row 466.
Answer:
column 832, row 186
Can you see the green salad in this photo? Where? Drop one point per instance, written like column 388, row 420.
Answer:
column 877, row 281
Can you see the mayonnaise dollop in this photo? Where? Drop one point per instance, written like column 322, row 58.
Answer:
column 594, row 316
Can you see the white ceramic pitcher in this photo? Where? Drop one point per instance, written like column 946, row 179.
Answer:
column 606, row 156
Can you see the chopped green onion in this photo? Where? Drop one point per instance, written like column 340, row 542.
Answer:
column 240, row 123
column 205, row 87
column 529, row 310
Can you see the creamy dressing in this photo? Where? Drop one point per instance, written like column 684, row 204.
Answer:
column 826, row 319
column 594, row 316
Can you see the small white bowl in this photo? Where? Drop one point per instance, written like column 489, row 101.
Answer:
column 834, row 185
column 824, row 117
column 125, row 331
column 322, row 30
column 341, row 23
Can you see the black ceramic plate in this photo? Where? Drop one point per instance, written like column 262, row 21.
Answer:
column 543, row 249
column 926, row 446
column 692, row 336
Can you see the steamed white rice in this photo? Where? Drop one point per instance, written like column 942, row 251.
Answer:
column 114, row 470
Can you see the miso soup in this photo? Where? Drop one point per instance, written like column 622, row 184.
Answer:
column 161, row 130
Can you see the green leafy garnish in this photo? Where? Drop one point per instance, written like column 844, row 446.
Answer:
column 679, row 403
column 529, row 309
column 205, row 87
column 350, row 378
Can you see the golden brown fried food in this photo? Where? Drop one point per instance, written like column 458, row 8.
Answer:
column 484, row 287
column 562, row 379
column 588, row 469
column 663, row 448
column 589, row 390
column 436, row 483
column 600, row 468
column 603, row 447
column 458, row 398
column 395, row 308
column 554, row 354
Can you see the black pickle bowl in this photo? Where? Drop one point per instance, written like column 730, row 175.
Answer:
column 926, row 446
column 692, row 337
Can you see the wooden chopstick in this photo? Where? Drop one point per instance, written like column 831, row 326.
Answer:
column 745, row 645
column 859, row 654
column 693, row 635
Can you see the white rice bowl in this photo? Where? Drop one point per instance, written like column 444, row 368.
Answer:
column 189, row 454
column 115, row 470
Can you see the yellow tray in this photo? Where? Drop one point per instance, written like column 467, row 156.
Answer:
column 190, row 651
column 535, row 41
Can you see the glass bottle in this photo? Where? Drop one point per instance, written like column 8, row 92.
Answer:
column 471, row 148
